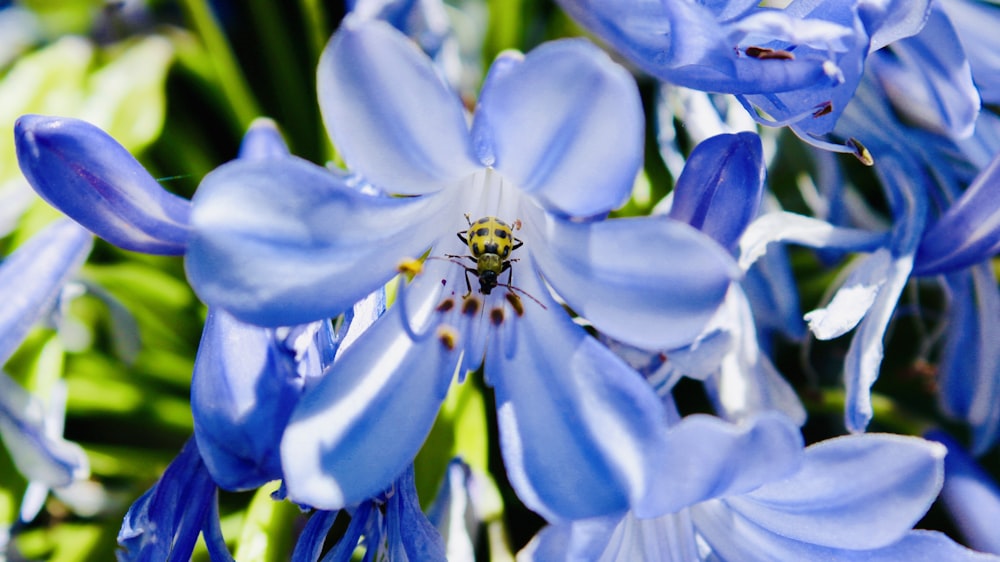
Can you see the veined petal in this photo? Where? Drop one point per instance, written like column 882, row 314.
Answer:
column 719, row 191
column 32, row 277
column 388, row 111
column 354, row 432
column 969, row 231
column 410, row 532
column 564, row 400
column 890, row 20
column 856, row 492
column 284, row 242
column 978, row 22
column 164, row 523
column 82, row 171
column 792, row 228
column 242, row 393
column 566, row 126
column 313, row 537
column 651, row 282
column 766, row 448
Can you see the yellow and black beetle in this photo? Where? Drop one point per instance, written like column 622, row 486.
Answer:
column 491, row 242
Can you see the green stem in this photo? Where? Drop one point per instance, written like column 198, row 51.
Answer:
column 227, row 69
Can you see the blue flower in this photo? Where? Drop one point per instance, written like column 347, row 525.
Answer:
column 749, row 492
column 32, row 279
column 288, row 242
column 165, row 522
column 798, row 65
column 390, row 525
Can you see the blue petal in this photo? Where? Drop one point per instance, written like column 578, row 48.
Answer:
column 979, row 22
column 586, row 539
column 967, row 380
column 312, row 539
column 791, row 228
column 566, row 126
column 766, row 448
column 564, row 400
column 285, row 242
column 891, row 21
column 37, row 453
column 86, row 174
column 263, row 141
column 389, row 113
column 969, row 232
column 971, row 497
column 32, row 277
column 928, row 80
column 164, row 523
column 354, row 432
column 853, row 299
column 243, row 391
column 719, row 191
column 857, row 492
column 410, row 532
column 651, row 282
column 732, row 537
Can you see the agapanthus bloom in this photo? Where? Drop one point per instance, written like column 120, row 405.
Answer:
column 795, row 65
column 848, row 498
column 554, row 145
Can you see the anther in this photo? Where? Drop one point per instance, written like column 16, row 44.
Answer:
column 496, row 316
column 822, row 109
column 446, row 305
column 860, row 152
column 448, row 337
column 516, row 304
column 410, row 268
column 764, row 53
column 470, row 306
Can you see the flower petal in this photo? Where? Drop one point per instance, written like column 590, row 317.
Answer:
column 564, row 400
column 566, row 126
column 969, row 232
column 857, row 492
column 285, row 242
column 651, row 282
column 705, row 449
column 38, row 454
column 32, row 277
column 967, row 380
column 389, row 113
column 263, row 141
column 585, row 539
column 719, row 191
column 85, row 173
column 853, row 299
column 354, row 432
column 971, row 497
column 410, row 533
column 243, row 391
column 164, row 523
column 806, row 231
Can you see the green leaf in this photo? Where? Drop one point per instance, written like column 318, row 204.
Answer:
column 267, row 529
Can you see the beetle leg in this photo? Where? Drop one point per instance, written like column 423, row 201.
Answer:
column 468, row 285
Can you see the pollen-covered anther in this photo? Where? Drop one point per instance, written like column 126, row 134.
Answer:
column 445, row 305
column 410, row 268
column 516, row 304
column 496, row 316
column 822, row 109
column 471, row 305
column 860, row 152
column 764, row 53
column 448, row 337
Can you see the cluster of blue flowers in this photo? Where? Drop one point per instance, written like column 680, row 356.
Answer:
column 346, row 300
